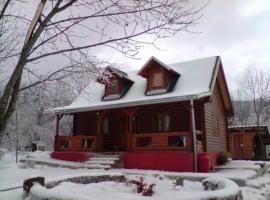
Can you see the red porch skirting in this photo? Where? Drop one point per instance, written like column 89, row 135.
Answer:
column 71, row 156
column 213, row 159
column 165, row 161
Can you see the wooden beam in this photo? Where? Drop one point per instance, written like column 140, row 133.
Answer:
column 57, row 125
column 130, row 112
column 56, row 133
column 203, row 126
column 100, row 116
column 194, row 137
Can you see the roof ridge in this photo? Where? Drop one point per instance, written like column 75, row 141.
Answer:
column 197, row 59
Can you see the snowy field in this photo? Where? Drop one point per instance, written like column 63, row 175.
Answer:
column 13, row 175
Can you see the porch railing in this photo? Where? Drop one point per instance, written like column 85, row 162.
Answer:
column 165, row 141
column 162, row 141
column 75, row 143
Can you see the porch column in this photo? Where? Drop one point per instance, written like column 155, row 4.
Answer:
column 194, row 137
column 130, row 113
column 58, row 117
column 100, row 116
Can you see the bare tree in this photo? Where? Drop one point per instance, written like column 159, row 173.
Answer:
column 242, row 109
column 256, row 87
column 71, row 28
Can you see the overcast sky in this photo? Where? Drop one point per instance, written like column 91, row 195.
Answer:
column 236, row 30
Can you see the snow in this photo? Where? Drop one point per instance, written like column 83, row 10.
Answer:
column 241, row 165
column 117, row 191
column 194, row 82
column 248, row 126
column 11, row 175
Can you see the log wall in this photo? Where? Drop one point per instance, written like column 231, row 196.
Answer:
column 215, row 123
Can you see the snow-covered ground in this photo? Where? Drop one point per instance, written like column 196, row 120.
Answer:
column 13, row 175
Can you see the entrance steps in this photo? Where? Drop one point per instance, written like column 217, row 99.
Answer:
column 105, row 161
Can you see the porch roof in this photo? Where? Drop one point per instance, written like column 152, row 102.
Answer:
column 197, row 81
column 249, row 128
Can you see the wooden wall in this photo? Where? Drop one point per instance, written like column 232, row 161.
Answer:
column 85, row 123
column 216, row 123
column 241, row 144
column 115, row 139
column 145, row 120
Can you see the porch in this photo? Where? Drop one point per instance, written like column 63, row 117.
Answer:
column 140, row 142
column 165, row 127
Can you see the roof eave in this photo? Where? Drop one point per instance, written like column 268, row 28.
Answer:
column 129, row 104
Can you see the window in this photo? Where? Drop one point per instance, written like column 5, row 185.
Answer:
column 157, row 81
column 177, row 141
column 164, row 122
column 113, row 87
column 86, row 143
column 64, row 143
column 105, row 126
column 144, row 142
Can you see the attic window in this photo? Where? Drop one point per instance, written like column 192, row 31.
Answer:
column 158, row 80
column 113, row 87
column 156, row 84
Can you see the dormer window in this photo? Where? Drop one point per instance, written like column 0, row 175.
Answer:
column 158, row 80
column 112, row 90
column 161, row 78
column 113, row 87
column 156, row 83
column 117, row 85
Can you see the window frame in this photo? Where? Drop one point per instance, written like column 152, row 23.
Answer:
column 154, row 82
column 106, row 126
column 113, row 84
column 164, row 122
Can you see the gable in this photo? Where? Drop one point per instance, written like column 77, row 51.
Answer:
column 160, row 77
column 116, row 85
column 220, row 80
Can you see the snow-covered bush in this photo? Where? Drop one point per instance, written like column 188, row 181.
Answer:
column 221, row 189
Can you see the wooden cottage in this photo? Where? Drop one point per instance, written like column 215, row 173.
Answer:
column 160, row 117
column 245, row 141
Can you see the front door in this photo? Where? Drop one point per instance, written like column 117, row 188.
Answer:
column 113, row 133
column 238, row 146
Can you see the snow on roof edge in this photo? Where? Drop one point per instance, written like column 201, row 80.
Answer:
column 195, row 95
column 134, row 103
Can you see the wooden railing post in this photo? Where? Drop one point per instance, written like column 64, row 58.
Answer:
column 58, row 118
column 194, row 136
column 130, row 112
column 100, row 116
column 57, row 125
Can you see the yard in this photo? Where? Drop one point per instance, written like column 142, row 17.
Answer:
column 12, row 175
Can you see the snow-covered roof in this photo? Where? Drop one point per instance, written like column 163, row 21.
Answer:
column 196, row 82
column 249, row 128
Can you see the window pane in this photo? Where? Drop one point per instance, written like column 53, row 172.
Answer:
column 157, row 80
column 166, row 122
column 114, row 87
column 105, row 127
column 159, row 122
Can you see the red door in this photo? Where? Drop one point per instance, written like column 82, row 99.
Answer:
column 238, row 146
